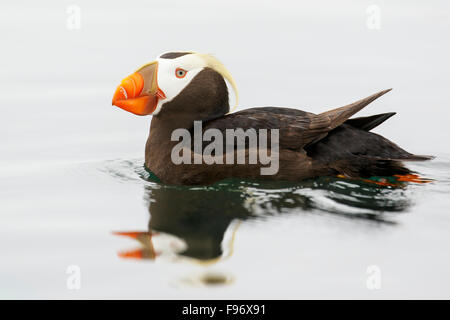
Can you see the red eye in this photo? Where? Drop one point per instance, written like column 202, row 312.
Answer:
column 180, row 73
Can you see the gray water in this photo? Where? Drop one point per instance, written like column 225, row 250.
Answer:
column 71, row 168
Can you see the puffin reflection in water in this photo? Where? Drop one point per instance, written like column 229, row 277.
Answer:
column 181, row 88
column 200, row 224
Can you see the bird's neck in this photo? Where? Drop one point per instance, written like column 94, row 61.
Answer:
column 159, row 144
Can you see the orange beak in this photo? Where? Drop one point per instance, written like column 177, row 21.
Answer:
column 139, row 93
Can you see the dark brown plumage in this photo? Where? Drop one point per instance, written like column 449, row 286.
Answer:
column 174, row 55
column 310, row 145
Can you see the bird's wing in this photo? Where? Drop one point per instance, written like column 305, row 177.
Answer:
column 297, row 129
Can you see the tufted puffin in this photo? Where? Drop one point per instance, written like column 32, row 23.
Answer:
column 182, row 89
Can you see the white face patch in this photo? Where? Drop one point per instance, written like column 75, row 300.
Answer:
column 167, row 78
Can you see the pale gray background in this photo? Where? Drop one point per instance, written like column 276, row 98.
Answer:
column 58, row 131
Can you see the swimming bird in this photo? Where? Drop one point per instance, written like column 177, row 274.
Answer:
column 182, row 89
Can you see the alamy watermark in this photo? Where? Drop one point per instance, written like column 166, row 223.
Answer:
column 240, row 145
column 73, row 20
column 373, row 21
column 373, row 281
